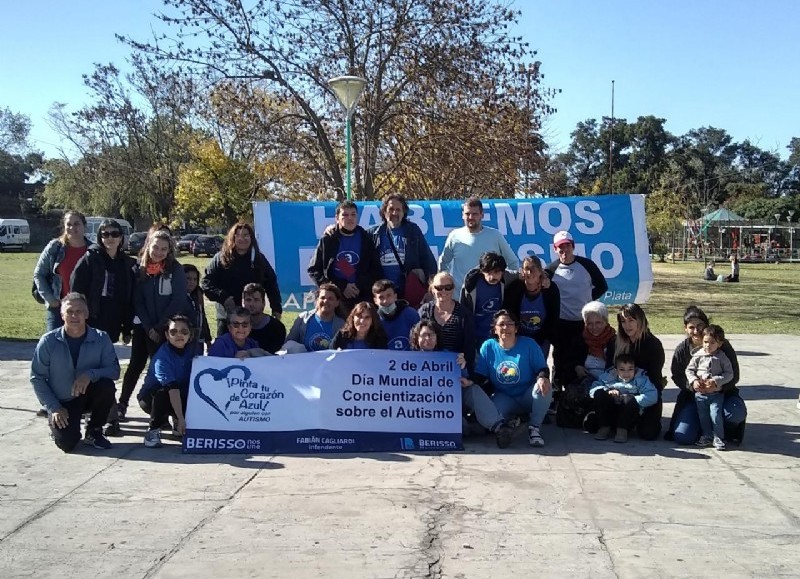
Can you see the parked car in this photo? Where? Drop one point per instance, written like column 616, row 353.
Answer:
column 206, row 245
column 185, row 242
column 136, row 242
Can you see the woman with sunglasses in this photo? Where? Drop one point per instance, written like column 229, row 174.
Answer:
column 104, row 275
column 166, row 384
column 236, row 342
column 454, row 320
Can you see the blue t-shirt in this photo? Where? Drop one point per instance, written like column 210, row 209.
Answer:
column 532, row 315
column 398, row 328
column 225, row 347
column 347, row 259
column 511, row 371
column 318, row 334
column 168, row 366
column 488, row 301
column 391, row 269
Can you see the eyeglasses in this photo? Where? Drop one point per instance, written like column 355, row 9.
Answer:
column 177, row 332
column 239, row 324
column 444, row 288
column 113, row 234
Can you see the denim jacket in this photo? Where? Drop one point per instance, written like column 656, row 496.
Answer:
column 45, row 274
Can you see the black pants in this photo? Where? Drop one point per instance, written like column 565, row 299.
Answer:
column 98, row 398
column 567, row 332
column 620, row 411
column 649, row 425
column 142, row 348
column 159, row 406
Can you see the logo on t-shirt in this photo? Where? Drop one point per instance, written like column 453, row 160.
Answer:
column 508, row 372
column 319, row 342
column 491, row 305
column 346, row 262
column 399, row 343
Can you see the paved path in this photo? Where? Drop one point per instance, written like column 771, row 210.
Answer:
column 577, row 508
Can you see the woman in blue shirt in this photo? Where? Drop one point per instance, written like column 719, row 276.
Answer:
column 362, row 330
column 516, row 369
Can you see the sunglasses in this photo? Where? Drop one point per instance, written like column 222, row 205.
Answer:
column 239, row 324
column 177, row 332
column 444, row 288
column 113, row 234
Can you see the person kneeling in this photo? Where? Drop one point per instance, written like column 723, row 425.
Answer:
column 620, row 395
column 72, row 372
column 166, row 385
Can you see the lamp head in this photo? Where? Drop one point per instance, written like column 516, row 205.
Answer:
column 348, row 90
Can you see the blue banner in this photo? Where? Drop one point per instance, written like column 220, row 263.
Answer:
column 329, row 401
column 609, row 229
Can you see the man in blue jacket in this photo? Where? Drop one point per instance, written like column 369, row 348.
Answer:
column 72, row 372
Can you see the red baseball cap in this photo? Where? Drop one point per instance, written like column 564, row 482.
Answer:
column 561, row 238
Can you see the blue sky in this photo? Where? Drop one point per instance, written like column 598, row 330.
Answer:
column 732, row 64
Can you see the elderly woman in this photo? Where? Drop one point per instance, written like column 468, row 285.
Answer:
column 454, row 320
column 684, row 427
column 591, row 354
column 515, row 367
column 237, row 264
column 537, row 307
column 634, row 338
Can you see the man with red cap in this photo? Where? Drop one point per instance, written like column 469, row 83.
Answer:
column 579, row 281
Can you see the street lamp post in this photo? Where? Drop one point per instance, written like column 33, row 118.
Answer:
column 777, row 221
column 348, row 90
column 791, row 235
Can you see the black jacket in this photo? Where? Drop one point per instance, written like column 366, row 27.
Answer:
column 512, row 301
column 648, row 354
column 221, row 282
column 368, row 269
column 95, row 276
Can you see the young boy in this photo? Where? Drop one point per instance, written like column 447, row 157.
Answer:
column 483, row 291
column 708, row 371
column 620, row 395
column 396, row 315
column 269, row 332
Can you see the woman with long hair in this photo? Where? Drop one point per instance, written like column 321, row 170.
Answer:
column 362, row 330
column 55, row 264
column 634, row 338
column 237, row 264
column 159, row 293
column 105, row 276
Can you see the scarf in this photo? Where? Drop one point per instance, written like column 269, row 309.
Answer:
column 155, row 268
column 597, row 344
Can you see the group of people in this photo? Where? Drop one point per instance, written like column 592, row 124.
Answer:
column 732, row 277
column 500, row 317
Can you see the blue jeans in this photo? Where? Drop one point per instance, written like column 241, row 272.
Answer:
column 477, row 400
column 709, row 411
column 52, row 319
column 531, row 401
column 687, row 425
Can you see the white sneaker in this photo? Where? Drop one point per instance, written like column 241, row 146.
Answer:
column 798, row 402
column 153, row 438
column 534, row 438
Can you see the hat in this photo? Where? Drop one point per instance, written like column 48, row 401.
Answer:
column 561, row 238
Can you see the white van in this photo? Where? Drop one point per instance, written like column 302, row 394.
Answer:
column 93, row 224
column 14, row 233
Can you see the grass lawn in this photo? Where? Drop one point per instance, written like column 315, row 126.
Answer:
column 766, row 301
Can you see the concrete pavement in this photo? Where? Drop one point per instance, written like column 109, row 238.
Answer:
column 576, row 508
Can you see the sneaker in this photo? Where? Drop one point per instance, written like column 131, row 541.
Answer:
column 704, row 442
column 603, row 433
column 719, row 444
column 798, row 405
column 534, row 438
column 42, row 412
column 96, row 439
column 622, row 435
column 153, row 438
column 504, row 434
column 122, row 411
column 113, row 429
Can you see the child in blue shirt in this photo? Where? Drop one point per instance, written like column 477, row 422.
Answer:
column 620, row 395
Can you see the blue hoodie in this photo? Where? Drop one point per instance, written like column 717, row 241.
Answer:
column 640, row 387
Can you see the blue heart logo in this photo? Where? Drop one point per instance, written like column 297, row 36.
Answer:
column 213, row 386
